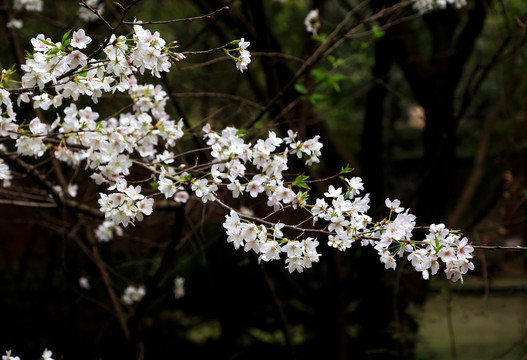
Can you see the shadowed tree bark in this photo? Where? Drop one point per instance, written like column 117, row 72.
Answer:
column 434, row 80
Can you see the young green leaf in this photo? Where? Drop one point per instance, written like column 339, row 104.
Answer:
column 300, row 182
column 346, row 169
column 301, row 89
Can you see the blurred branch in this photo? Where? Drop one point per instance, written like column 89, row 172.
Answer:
column 28, row 203
column 153, row 285
column 41, row 180
column 217, row 95
column 478, row 168
column 333, row 40
column 497, row 247
column 280, row 309
column 101, row 266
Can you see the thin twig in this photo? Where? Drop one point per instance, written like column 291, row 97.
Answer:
column 160, row 22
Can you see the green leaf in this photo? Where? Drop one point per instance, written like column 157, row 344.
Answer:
column 318, row 74
column 66, row 37
column 300, row 182
column 153, row 184
column 301, row 89
column 336, row 86
column 377, row 32
column 241, row 133
column 316, row 97
column 346, row 169
column 47, row 42
column 320, row 37
column 338, row 77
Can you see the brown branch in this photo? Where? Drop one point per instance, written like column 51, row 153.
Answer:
column 478, row 168
column 328, row 45
column 28, row 203
column 41, row 179
column 160, row 22
column 207, row 51
column 498, row 247
column 219, row 96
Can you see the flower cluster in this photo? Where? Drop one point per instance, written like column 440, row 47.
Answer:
column 106, row 146
column 344, row 213
column 133, row 294
column 269, row 243
column 29, row 5
column 179, row 287
column 84, row 283
column 343, row 210
column 26, row 5
column 428, row 5
column 87, row 15
column 232, row 155
column 8, row 356
column 46, row 355
column 124, row 207
column 107, row 230
column 443, row 244
column 243, row 59
column 71, row 73
column 312, row 22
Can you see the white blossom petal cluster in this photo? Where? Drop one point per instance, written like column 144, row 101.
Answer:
column 268, row 157
column 106, row 146
column 46, row 355
column 5, row 174
column 133, row 294
column 343, row 211
column 269, row 243
column 179, row 287
column 428, row 5
column 8, row 356
column 72, row 73
column 312, row 22
column 29, row 5
column 107, row 230
column 87, row 15
column 244, row 58
column 84, row 283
